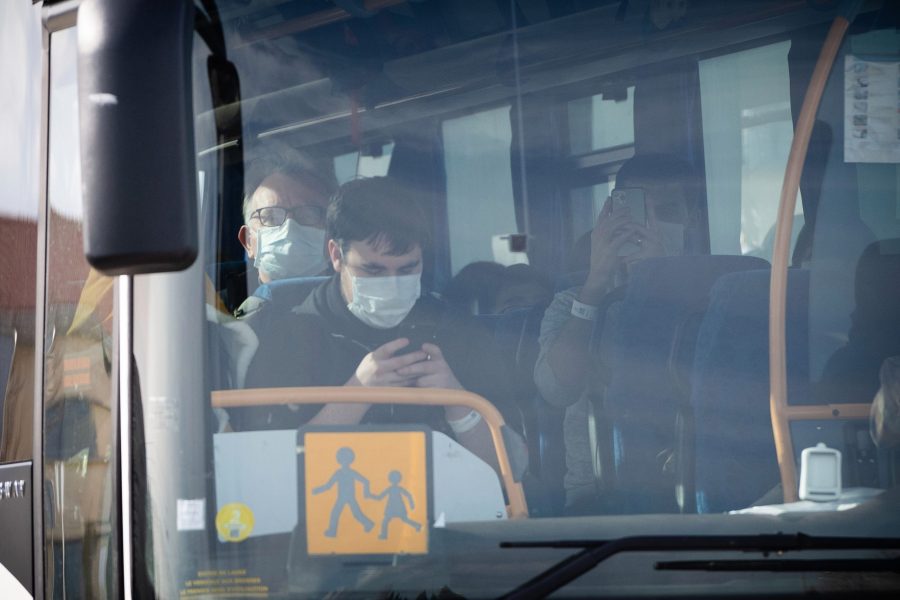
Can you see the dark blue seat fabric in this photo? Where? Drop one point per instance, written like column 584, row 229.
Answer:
column 286, row 293
column 643, row 397
column 851, row 373
column 735, row 462
column 516, row 333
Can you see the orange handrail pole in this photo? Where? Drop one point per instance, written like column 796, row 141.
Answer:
column 518, row 508
column 780, row 258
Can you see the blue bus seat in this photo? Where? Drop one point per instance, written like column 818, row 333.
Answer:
column 510, row 331
column 851, row 373
column 287, row 293
column 516, row 334
column 643, row 399
column 734, row 454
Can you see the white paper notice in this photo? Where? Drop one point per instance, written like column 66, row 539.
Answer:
column 871, row 110
column 191, row 515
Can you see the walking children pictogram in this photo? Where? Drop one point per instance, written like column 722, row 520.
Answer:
column 346, row 478
column 395, row 508
column 366, row 491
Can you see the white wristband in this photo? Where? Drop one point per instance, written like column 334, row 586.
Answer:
column 584, row 311
column 467, row 423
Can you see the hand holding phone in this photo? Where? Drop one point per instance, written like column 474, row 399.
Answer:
column 417, row 334
column 634, row 201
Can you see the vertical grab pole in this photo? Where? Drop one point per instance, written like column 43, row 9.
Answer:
column 123, row 404
column 778, row 288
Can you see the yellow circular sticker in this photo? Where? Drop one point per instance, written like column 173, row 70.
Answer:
column 234, row 522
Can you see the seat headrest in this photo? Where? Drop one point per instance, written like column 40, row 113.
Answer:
column 291, row 291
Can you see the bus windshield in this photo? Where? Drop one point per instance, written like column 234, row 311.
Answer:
column 487, row 272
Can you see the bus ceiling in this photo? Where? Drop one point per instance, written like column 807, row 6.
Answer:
column 464, row 73
column 127, row 201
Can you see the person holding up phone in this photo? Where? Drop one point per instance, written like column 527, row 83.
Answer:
column 651, row 212
column 371, row 325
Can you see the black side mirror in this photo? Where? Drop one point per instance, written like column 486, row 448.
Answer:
column 137, row 140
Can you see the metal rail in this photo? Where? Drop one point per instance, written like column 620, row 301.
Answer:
column 781, row 413
column 518, row 508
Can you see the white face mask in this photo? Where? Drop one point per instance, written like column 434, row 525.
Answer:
column 672, row 235
column 383, row 302
column 291, row 250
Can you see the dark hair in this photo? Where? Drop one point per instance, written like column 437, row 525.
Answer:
column 663, row 169
column 520, row 274
column 474, row 288
column 380, row 211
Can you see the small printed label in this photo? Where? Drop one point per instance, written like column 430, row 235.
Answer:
column 191, row 514
column 225, row 583
column 163, row 414
column 234, row 522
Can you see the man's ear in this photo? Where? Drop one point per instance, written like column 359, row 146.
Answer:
column 245, row 237
column 334, row 255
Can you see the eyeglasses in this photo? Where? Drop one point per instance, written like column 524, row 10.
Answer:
column 274, row 216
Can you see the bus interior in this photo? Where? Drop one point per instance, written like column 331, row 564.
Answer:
column 509, row 120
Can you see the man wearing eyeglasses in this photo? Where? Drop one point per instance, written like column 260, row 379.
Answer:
column 284, row 225
column 284, row 228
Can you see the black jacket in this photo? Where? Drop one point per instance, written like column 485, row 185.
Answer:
column 320, row 343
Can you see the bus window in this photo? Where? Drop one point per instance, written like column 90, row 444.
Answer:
column 18, row 220
column 601, row 121
column 854, row 265
column 475, row 146
column 78, row 427
column 747, row 131
column 347, row 428
column 586, row 204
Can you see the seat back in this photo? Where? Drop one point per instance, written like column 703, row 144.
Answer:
column 643, row 397
column 851, row 373
column 287, row 293
column 734, row 457
column 516, row 333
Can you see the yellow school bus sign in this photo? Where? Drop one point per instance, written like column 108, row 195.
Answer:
column 366, row 492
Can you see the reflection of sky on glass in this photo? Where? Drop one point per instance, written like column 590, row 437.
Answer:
column 20, row 104
column 64, row 185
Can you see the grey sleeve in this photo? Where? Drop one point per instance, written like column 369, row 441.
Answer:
column 556, row 316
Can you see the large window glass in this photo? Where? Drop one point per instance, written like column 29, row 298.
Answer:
column 747, row 136
column 567, row 209
column 79, row 440
column 602, row 121
column 479, row 181
column 19, row 116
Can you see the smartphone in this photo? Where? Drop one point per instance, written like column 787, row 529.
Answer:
column 634, row 200
column 417, row 334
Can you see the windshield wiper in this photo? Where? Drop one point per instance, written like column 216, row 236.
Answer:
column 777, row 565
column 596, row 551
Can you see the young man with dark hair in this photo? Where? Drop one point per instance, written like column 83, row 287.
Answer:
column 370, row 325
